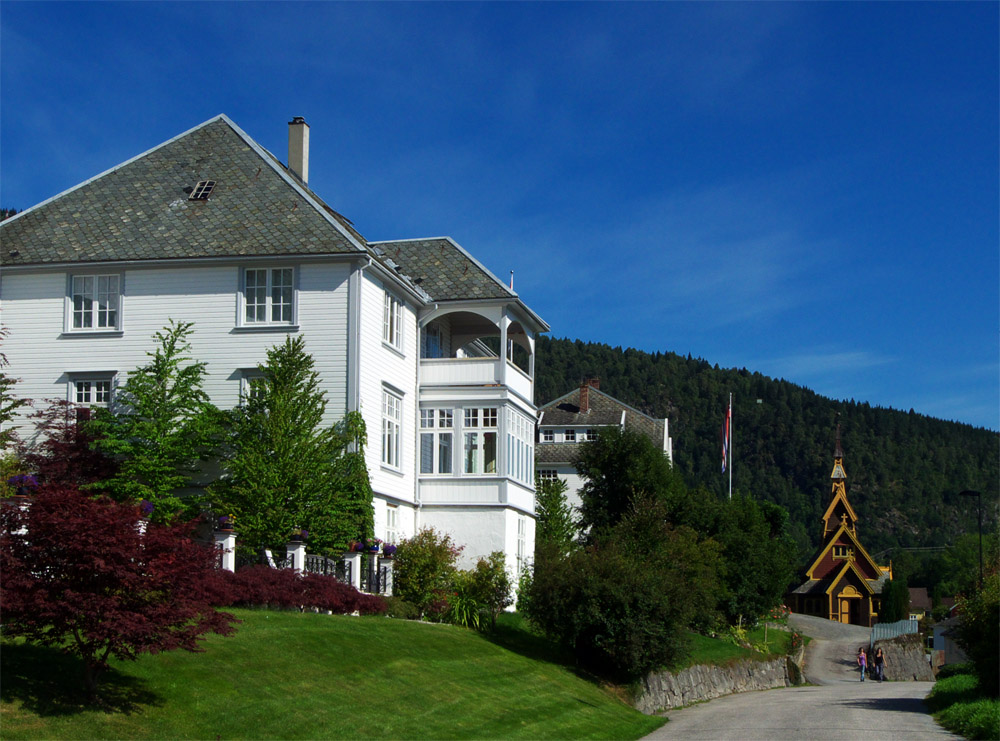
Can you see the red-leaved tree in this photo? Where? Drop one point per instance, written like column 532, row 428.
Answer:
column 79, row 574
column 63, row 453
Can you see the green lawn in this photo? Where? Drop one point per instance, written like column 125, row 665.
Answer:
column 288, row 675
column 705, row 650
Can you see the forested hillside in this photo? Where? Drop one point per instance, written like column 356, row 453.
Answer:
column 904, row 469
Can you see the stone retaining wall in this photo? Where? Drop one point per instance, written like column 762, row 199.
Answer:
column 905, row 659
column 663, row 690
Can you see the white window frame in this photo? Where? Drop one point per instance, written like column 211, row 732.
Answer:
column 392, row 429
column 92, row 389
column 548, row 436
column 437, row 430
column 520, row 431
column 548, row 474
column 392, row 523
column 247, row 377
column 590, row 435
column 480, row 425
column 392, row 321
column 569, row 436
column 91, row 308
column 268, row 302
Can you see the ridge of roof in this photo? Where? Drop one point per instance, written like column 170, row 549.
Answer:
column 608, row 396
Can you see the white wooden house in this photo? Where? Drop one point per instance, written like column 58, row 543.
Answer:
column 566, row 423
column 211, row 228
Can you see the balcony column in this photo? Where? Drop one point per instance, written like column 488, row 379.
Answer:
column 504, row 321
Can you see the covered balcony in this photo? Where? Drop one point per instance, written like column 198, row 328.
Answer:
column 462, row 347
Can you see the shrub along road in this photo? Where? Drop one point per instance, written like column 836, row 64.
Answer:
column 839, row 707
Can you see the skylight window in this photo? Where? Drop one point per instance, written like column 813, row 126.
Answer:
column 202, row 190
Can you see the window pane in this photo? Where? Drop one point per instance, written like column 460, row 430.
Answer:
column 102, row 392
column 471, row 452
column 427, row 452
column 444, row 418
column 490, row 452
column 281, row 295
column 255, row 295
column 83, row 302
column 426, row 418
column 83, row 392
column 107, row 300
column 444, row 452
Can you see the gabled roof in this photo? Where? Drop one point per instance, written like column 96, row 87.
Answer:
column 140, row 209
column 832, row 541
column 605, row 410
column 840, row 497
column 442, row 268
column 850, row 566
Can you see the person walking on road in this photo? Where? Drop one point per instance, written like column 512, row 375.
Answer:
column 879, row 664
column 862, row 662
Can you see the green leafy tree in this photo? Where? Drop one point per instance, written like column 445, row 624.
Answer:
column 620, row 467
column 624, row 604
column 284, row 469
column 9, row 402
column 554, row 525
column 162, row 425
column 895, row 601
column 424, row 570
column 759, row 558
column 978, row 633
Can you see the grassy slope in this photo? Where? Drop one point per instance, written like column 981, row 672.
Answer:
column 289, row 675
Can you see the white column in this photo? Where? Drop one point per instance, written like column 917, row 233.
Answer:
column 354, row 559
column 297, row 551
column 227, row 544
column 387, row 587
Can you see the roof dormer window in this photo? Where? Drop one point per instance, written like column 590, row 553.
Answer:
column 202, row 190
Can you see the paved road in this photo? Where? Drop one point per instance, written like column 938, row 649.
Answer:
column 839, row 708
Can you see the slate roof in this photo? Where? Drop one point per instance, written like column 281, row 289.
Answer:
column 819, row 586
column 443, row 269
column 604, row 410
column 556, row 452
column 140, row 209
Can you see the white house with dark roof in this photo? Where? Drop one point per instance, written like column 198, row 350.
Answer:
column 211, row 228
column 573, row 419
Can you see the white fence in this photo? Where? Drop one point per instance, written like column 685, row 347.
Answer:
column 885, row 631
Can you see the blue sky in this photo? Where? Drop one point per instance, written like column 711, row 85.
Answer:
column 808, row 190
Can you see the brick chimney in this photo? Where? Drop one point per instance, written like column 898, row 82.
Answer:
column 298, row 148
column 585, row 393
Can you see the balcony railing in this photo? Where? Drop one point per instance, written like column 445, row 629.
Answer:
column 459, row 371
column 473, row 372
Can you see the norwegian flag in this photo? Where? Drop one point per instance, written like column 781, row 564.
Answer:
column 726, row 437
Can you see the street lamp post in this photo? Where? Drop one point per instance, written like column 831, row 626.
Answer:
column 979, row 502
